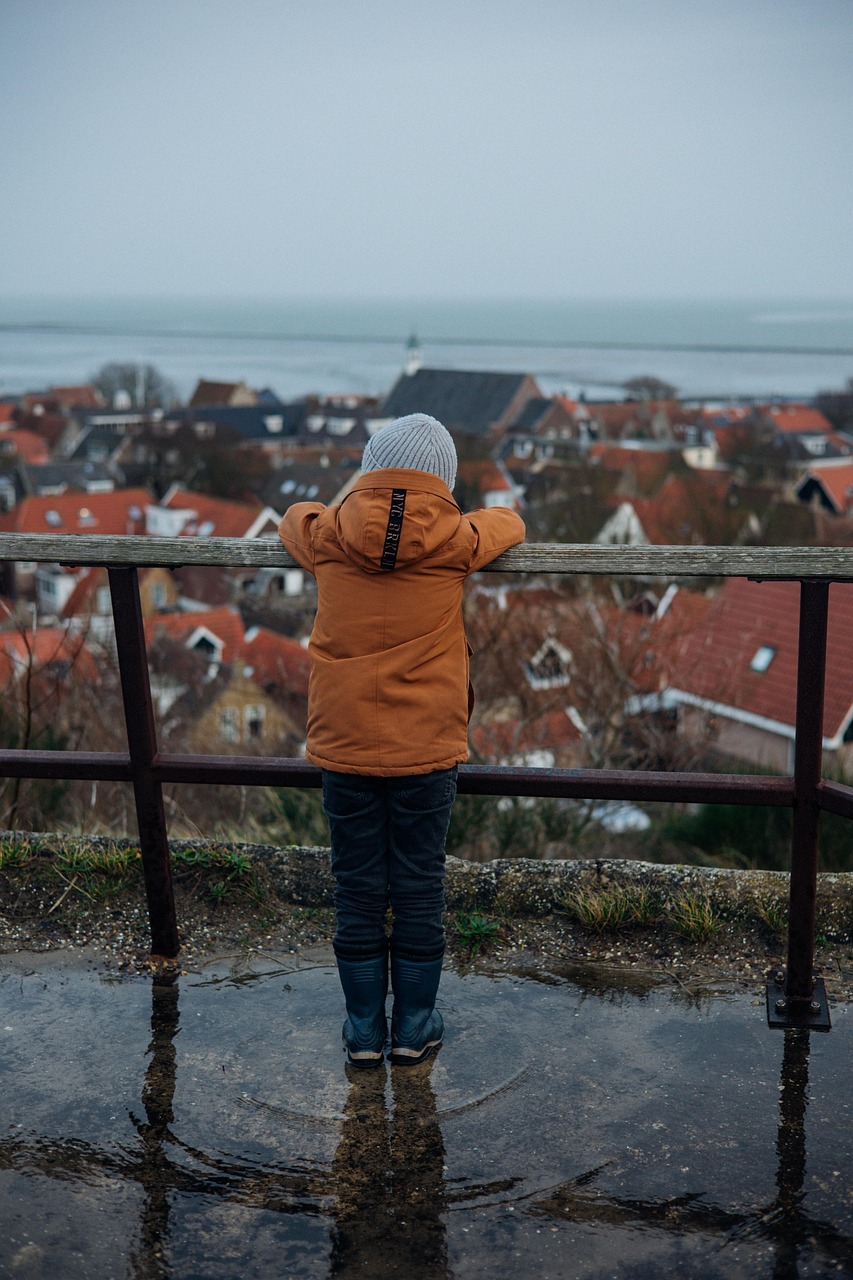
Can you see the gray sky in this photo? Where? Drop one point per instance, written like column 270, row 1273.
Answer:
column 546, row 148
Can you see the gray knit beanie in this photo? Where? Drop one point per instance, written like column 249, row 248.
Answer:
column 416, row 443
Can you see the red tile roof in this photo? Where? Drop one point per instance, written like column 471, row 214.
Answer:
column 502, row 739
column 88, row 582
column 44, row 647
column 224, row 623
column 746, row 616
column 837, row 483
column 25, row 445
column 226, row 519
column 84, row 396
column 645, row 468
column 689, row 509
column 799, row 419
column 122, row 511
column 276, row 660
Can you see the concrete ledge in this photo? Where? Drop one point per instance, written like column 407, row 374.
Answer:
column 524, row 886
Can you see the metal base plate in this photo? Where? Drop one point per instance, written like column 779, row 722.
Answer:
column 781, row 1013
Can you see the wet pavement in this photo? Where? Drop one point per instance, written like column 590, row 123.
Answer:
column 575, row 1124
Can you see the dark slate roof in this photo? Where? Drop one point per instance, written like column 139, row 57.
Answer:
column 252, row 421
column 97, row 442
column 464, row 400
column 307, row 481
column 73, row 475
column 531, row 413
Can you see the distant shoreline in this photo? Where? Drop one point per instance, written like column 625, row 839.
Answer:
column 590, row 344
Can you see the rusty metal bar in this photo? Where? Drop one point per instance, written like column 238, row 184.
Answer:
column 142, row 745
column 627, row 784
column 835, row 797
column 85, row 766
column 484, row 780
column 801, row 998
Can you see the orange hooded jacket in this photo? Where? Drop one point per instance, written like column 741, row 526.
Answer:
column 388, row 690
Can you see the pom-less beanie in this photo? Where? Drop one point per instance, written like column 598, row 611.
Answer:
column 417, row 443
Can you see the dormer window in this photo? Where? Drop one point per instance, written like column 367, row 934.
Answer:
column 762, row 658
column 53, row 518
column 207, row 646
column 550, row 666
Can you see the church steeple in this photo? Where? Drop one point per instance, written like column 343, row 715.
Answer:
column 413, row 355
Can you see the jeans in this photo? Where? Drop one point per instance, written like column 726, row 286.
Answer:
column 388, row 839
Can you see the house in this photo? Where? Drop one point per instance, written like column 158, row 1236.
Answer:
column 209, row 393
column 662, row 420
column 312, row 475
column 233, row 687
column 736, row 680
column 486, row 484
column 49, row 677
column 546, row 417
column 830, row 484
column 103, row 435
column 54, row 650
column 268, row 424
column 800, row 423
column 217, row 634
column 72, row 398
column 49, row 479
column 120, row 512
column 467, row 402
column 690, row 509
column 56, row 429
column 24, row 446
column 84, row 596
column 567, row 681
column 233, row 713
column 642, row 465
column 184, row 514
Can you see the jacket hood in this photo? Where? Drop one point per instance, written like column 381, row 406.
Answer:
column 395, row 517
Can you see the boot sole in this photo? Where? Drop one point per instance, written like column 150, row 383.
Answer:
column 411, row 1057
column 366, row 1058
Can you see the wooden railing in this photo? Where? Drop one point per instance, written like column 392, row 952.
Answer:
column 795, row 997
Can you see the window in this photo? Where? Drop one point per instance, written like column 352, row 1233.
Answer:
column 207, row 647
column 762, row 658
column 550, row 666
column 158, row 594
column 103, row 602
column 254, row 720
column 229, row 729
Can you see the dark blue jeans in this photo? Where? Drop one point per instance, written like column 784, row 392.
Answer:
column 388, row 839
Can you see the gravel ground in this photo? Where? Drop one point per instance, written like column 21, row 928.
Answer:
column 46, row 908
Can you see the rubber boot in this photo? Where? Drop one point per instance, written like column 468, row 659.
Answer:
column 416, row 1025
column 365, row 986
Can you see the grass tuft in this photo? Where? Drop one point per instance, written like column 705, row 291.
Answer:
column 474, row 932
column 693, row 916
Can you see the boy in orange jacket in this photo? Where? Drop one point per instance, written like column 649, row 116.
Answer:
column 388, row 715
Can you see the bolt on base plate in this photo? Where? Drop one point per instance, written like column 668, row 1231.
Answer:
column 783, row 1013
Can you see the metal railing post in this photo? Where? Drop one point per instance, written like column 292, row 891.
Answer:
column 142, row 746
column 796, row 998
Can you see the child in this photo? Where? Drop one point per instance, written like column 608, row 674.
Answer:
column 388, row 715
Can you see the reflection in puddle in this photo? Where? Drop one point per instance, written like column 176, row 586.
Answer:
column 207, row 1127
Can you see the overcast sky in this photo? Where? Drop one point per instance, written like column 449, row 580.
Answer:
column 545, row 148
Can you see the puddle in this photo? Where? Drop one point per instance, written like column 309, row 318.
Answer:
column 569, row 1127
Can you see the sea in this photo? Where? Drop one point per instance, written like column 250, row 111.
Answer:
column 708, row 350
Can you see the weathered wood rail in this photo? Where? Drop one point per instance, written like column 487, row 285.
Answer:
column 794, row 997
